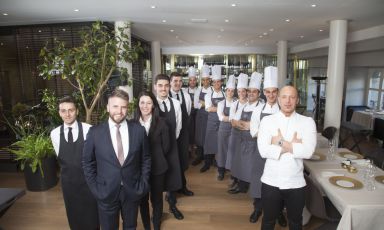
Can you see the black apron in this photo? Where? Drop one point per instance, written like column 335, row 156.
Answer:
column 173, row 175
column 192, row 118
column 242, row 161
column 233, row 147
column 213, row 122
column 257, row 167
column 80, row 204
column 201, row 122
column 223, row 138
column 183, row 140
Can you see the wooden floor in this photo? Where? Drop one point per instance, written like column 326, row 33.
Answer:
column 211, row 208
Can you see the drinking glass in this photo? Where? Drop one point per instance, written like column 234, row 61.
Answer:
column 331, row 149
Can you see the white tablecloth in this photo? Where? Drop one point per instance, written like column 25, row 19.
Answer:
column 360, row 209
column 366, row 119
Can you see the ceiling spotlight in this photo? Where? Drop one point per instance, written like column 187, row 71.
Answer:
column 221, row 30
column 313, row 5
column 287, row 20
column 233, row 4
column 153, row 7
column 301, row 36
column 320, row 30
column 271, row 29
column 27, row 47
column 260, row 36
column 265, row 33
column 5, row 14
column 218, row 36
column 63, row 29
column 164, row 20
column 39, row 31
column 172, row 31
column 76, row 10
column 226, row 20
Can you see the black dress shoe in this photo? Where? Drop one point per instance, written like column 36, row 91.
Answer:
column 176, row 213
column 220, row 177
column 196, row 161
column 185, row 192
column 236, row 190
column 281, row 220
column 233, row 184
column 205, row 167
column 255, row 216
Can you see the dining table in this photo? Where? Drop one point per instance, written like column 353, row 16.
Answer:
column 360, row 208
column 366, row 118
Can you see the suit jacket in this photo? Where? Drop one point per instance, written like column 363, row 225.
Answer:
column 159, row 147
column 102, row 169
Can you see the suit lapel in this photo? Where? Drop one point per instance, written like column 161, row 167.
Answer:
column 132, row 139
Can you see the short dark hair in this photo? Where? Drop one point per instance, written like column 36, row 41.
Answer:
column 175, row 74
column 67, row 99
column 120, row 94
column 161, row 77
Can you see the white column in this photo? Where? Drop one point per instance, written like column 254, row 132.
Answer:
column 282, row 50
column 155, row 59
column 335, row 73
column 122, row 63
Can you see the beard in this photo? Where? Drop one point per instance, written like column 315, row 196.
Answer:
column 118, row 119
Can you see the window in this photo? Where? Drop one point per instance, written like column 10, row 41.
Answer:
column 375, row 98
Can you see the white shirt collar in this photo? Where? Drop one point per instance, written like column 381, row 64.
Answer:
column 74, row 126
column 112, row 124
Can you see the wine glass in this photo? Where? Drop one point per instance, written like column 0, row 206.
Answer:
column 331, row 149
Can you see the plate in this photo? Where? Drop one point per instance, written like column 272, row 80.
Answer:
column 317, row 157
column 350, row 155
column 380, row 179
column 345, row 182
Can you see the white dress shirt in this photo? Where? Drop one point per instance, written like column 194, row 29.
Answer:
column 255, row 119
column 55, row 134
column 207, row 98
column 196, row 97
column 146, row 124
column 124, row 136
column 187, row 97
column 178, row 114
column 285, row 171
column 220, row 108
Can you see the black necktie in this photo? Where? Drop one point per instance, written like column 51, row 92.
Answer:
column 70, row 136
column 177, row 96
column 165, row 107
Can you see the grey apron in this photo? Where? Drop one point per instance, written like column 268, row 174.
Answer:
column 223, row 138
column 201, row 122
column 242, row 160
column 233, row 147
column 213, row 122
column 257, row 167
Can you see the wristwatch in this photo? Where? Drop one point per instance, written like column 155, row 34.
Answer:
column 280, row 142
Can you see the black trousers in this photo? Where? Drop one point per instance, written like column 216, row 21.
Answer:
column 156, row 196
column 294, row 200
column 109, row 212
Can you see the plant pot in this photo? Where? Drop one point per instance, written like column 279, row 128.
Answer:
column 35, row 181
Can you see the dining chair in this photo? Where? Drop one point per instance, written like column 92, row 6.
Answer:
column 378, row 130
column 320, row 206
column 329, row 132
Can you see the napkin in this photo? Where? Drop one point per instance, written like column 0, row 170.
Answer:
column 360, row 161
column 330, row 174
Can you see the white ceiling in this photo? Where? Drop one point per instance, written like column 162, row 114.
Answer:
column 247, row 21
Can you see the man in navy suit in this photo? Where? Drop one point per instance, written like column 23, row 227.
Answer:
column 116, row 164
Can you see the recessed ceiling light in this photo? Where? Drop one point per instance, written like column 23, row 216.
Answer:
column 39, row 31
column 301, row 36
column 287, row 20
column 5, row 14
column 218, row 36
column 320, row 30
column 313, row 5
column 226, row 20
column 153, row 7
column 76, row 10
column 27, row 47
column 63, row 29
column 164, row 20
column 221, row 30
column 172, row 31
column 271, row 29
column 260, row 36
column 233, row 4
column 265, row 33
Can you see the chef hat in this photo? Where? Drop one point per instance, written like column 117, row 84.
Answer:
column 231, row 82
column 216, row 72
column 205, row 71
column 270, row 77
column 242, row 81
column 191, row 72
column 255, row 81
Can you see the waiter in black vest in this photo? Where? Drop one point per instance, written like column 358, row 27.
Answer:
column 68, row 140
column 191, row 89
column 176, row 81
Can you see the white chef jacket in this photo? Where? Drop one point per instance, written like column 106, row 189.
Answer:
column 285, row 171
column 255, row 119
column 220, row 108
column 207, row 98
column 247, row 108
column 196, row 96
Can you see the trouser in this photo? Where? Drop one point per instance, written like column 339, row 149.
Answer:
column 221, row 170
column 294, row 200
column 157, row 188
column 109, row 212
column 257, row 205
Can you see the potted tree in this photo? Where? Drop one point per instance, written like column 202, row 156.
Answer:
column 34, row 151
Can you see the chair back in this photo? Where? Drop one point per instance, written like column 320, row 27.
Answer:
column 378, row 129
column 329, row 132
column 314, row 200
